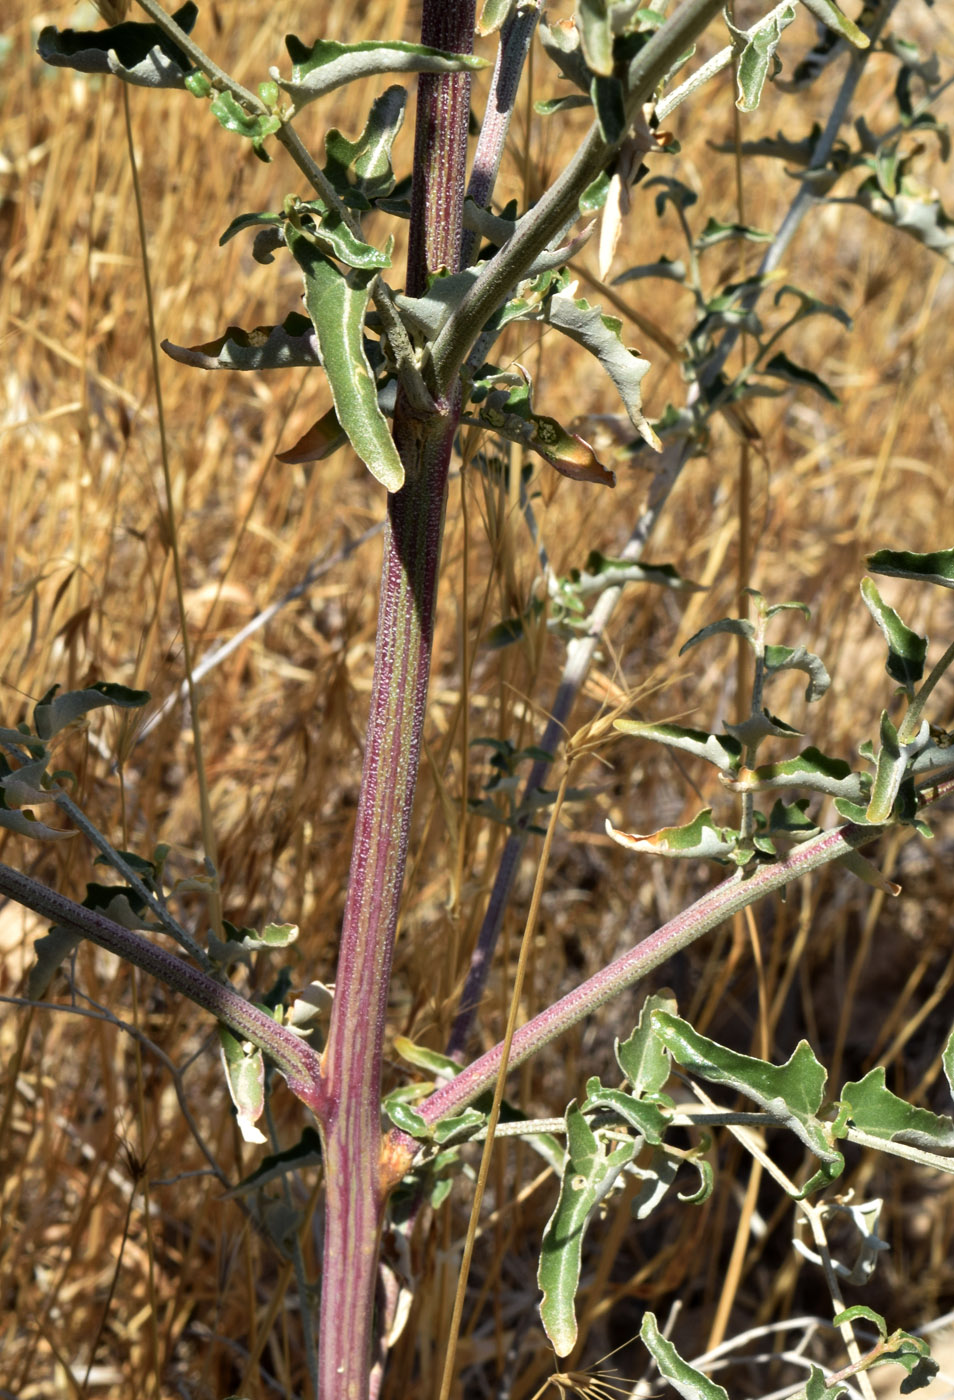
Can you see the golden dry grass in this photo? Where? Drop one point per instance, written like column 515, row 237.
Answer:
column 115, row 1249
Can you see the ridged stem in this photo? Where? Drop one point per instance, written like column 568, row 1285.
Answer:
column 356, row 1187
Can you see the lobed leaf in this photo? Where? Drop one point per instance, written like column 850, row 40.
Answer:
column 720, row 749
column 363, row 167
column 509, row 412
column 336, row 304
column 291, row 345
column 894, row 759
column 698, row 839
column 600, row 335
column 792, row 1093
column 644, row 1118
column 875, row 1110
column 642, row 1056
column 54, row 712
column 755, row 57
column 809, row 769
column 781, row 367
column 141, row 54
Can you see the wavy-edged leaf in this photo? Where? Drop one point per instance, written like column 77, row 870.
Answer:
column 362, row 168
column 947, row 1061
column 720, row 749
column 642, row 1056
column 690, row 1383
column 600, row 335
column 828, row 14
column 792, row 1093
column 321, row 67
column 292, row 345
column 937, row 567
column 699, row 839
column 140, row 54
column 50, row 952
column 588, row 1174
column 54, row 712
column 779, row 658
column 644, row 1118
column 603, row 571
column 24, row 824
column 508, row 410
column 915, row 209
column 875, row 1110
column 562, row 45
column 254, row 126
column 755, row 57
column 809, row 769
column 336, row 304
column 716, row 232
column 906, row 649
column 440, row 1067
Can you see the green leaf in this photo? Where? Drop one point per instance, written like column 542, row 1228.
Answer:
column 245, row 1074
column 894, row 759
column 690, row 1383
column 509, row 412
column 699, row 839
column 906, row 649
column 858, row 1310
column 809, row 769
column 947, row 1060
column 645, row 1118
column 781, row 367
column 493, row 14
column 432, row 1062
column 325, row 65
column 593, row 198
column 828, row 14
column 327, row 229
column 49, row 953
column 925, row 568
column 719, row 749
column 588, row 1174
column 596, row 33
column 363, row 167
column 915, row 209
column 779, row 658
column 232, row 115
column 51, row 715
column 336, row 304
column 291, row 345
column 641, row 1056
column 140, row 54
column 306, row 1152
column 657, row 1179
column 875, row 1110
column 734, row 626
column 755, row 57
column 600, row 335
column 792, row 1093
column 714, row 233
column 403, row 1116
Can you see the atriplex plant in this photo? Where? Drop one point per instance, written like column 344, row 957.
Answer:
column 419, row 358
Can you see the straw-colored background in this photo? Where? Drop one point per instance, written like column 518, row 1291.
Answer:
column 178, row 1291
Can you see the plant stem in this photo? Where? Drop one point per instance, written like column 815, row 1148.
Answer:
column 296, row 1061
column 727, row 899
column 356, row 1186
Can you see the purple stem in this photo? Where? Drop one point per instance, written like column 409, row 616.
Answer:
column 294, row 1059
column 357, row 1180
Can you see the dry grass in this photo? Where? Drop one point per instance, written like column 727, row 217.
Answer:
column 115, row 1249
